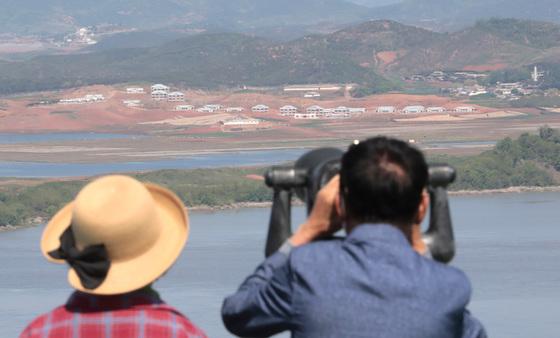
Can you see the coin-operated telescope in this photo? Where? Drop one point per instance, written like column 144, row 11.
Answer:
column 315, row 169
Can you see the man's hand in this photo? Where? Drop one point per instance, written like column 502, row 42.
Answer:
column 324, row 219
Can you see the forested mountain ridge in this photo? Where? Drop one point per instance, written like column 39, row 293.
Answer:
column 366, row 54
column 451, row 15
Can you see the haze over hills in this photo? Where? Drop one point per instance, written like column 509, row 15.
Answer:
column 262, row 17
column 364, row 54
column 59, row 16
column 445, row 15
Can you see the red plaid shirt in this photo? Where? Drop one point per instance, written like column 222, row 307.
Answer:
column 138, row 314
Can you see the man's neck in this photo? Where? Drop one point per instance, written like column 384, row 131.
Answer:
column 413, row 234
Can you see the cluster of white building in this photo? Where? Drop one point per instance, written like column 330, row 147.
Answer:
column 422, row 109
column 89, row 98
column 135, row 90
column 240, row 121
column 318, row 112
column 132, row 103
column 160, row 92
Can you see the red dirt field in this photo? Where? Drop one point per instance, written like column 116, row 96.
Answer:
column 169, row 133
column 113, row 115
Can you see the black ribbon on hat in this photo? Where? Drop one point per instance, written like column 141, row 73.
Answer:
column 91, row 264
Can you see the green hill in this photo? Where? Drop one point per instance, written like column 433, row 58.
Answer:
column 450, row 15
column 366, row 54
column 206, row 61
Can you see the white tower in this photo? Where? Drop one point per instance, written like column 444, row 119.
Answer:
column 535, row 74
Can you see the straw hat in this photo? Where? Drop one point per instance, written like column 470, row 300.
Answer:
column 143, row 227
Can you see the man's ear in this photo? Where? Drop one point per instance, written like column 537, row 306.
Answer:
column 340, row 207
column 422, row 207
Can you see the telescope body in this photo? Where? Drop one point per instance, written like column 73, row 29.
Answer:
column 315, row 169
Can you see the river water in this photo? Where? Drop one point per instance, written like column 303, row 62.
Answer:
column 508, row 244
column 216, row 160
column 32, row 169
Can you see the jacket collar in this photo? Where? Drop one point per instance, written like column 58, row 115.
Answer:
column 380, row 232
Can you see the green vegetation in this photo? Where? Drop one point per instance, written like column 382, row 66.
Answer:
column 373, row 54
column 202, row 61
column 536, row 101
column 199, row 187
column 508, row 75
column 535, row 34
column 374, row 87
column 530, row 160
column 552, row 76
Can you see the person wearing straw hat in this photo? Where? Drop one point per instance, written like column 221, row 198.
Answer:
column 118, row 236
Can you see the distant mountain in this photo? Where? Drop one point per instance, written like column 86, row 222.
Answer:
column 59, row 16
column 286, row 18
column 367, row 54
column 204, row 61
column 488, row 45
column 444, row 15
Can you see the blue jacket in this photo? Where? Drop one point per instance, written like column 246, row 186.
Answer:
column 369, row 284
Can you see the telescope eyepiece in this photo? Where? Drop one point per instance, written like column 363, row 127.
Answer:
column 441, row 175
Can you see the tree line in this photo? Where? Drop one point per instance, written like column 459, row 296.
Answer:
column 530, row 160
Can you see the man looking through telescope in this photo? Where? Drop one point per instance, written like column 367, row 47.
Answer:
column 373, row 283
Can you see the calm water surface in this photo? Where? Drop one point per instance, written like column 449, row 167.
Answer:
column 14, row 138
column 229, row 159
column 509, row 245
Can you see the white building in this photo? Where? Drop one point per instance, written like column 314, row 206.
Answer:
column 436, row 110
column 260, row 108
column 132, row 103
column 325, row 111
column 234, row 109
column 94, row 98
column 386, row 109
column 311, row 95
column 205, row 109
column 306, row 116
column 135, row 90
column 465, row 109
column 478, row 91
column 338, row 115
column 89, row 98
column 314, row 109
column 159, row 87
column 72, row 101
column 240, row 121
column 413, row 109
column 159, row 95
column 176, row 97
column 342, row 109
column 288, row 110
column 184, row 107
column 214, row 107
column 357, row 110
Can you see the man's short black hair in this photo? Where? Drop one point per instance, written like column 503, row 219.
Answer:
column 382, row 180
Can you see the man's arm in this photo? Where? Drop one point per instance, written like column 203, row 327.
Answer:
column 263, row 304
